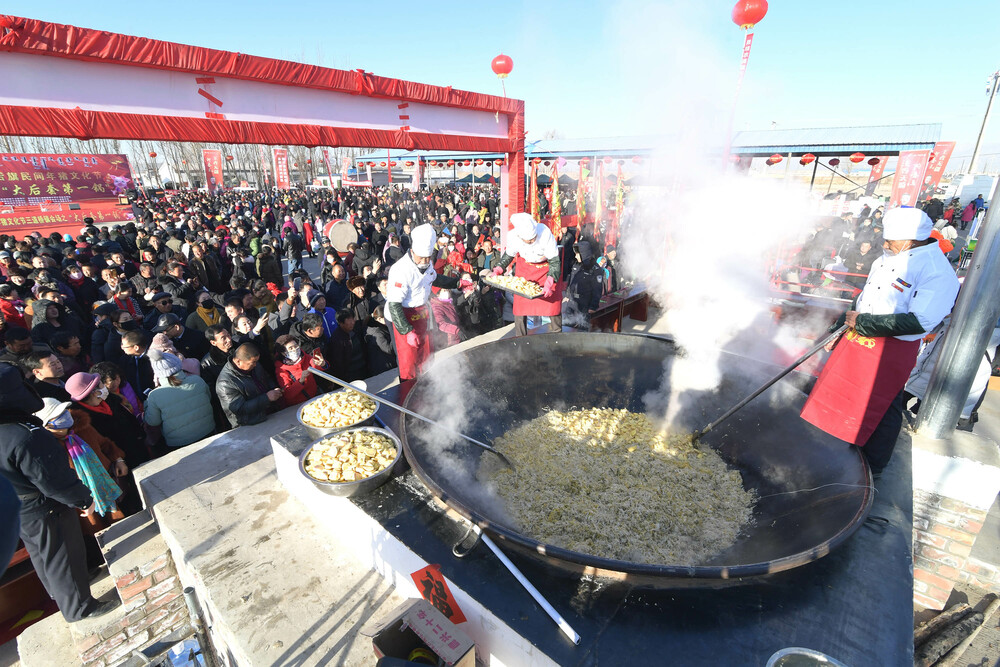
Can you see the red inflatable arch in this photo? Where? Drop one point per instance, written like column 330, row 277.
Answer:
column 65, row 81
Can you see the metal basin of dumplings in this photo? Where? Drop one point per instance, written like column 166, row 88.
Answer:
column 320, row 431
column 814, row 490
column 358, row 486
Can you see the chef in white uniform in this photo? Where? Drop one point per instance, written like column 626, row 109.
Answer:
column 535, row 254
column 408, row 298
column 910, row 289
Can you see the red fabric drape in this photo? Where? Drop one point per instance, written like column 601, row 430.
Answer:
column 80, row 124
column 66, row 41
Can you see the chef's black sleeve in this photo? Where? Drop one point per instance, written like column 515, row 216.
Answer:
column 899, row 324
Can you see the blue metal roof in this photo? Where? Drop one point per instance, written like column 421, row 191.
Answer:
column 872, row 140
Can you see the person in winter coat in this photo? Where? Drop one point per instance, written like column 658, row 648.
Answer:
column 364, row 256
column 378, row 344
column 12, row 307
column 49, row 318
column 290, row 367
column 245, row 391
column 445, row 318
column 584, row 289
column 269, row 266
column 181, row 406
column 33, row 461
column 205, row 314
column 348, row 358
column 109, row 416
column 968, row 214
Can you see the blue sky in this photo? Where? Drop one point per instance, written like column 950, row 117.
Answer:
column 623, row 67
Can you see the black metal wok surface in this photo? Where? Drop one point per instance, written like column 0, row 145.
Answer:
column 813, row 490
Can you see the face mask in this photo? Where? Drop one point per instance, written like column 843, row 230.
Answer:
column 65, row 420
column 293, row 355
column 75, row 275
column 889, row 253
column 131, row 325
column 207, row 305
column 423, row 266
column 102, row 393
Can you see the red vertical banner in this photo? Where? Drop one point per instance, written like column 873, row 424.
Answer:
column 326, row 160
column 282, row 180
column 875, row 175
column 612, row 238
column 264, row 167
column 599, row 193
column 935, row 167
column 534, row 204
column 213, row 169
column 744, row 60
column 556, row 203
column 909, row 178
column 415, row 183
column 581, row 195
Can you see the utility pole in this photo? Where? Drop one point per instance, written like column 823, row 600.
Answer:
column 992, row 87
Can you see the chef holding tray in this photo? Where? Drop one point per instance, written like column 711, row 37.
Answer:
column 533, row 250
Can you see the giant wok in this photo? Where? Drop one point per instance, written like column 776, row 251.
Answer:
column 814, row 490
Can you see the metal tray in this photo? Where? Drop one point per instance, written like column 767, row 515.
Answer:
column 489, row 281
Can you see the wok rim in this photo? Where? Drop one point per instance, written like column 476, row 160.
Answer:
column 611, row 565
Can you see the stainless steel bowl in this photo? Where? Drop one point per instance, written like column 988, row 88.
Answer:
column 357, row 487
column 319, row 431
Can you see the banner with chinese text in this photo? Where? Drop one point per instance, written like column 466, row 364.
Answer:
column 935, row 168
column 213, row 169
column 30, row 179
column 875, row 176
column 909, row 178
column 281, row 178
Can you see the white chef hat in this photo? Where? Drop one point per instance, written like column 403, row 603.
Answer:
column 524, row 226
column 422, row 240
column 906, row 223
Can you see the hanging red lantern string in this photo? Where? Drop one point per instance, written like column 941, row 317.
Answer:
column 451, row 163
column 489, row 164
column 834, row 161
column 408, row 163
column 857, row 158
column 546, row 163
column 808, row 158
column 309, row 161
column 480, row 161
column 381, row 164
column 433, row 163
column 873, row 161
column 608, row 160
column 152, row 154
column 769, row 162
column 536, row 160
column 776, row 158
column 499, row 162
column 229, row 158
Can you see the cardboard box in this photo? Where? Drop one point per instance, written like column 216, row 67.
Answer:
column 416, row 624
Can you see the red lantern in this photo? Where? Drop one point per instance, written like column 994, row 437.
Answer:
column 873, row 161
column 768, row 162
column 857, row 158
column 295, row 164
column 184, row 161
column 748, row 13
column 776, row 158
column 546, row 163
column 808, row 158
column 499, row 162
column 536, row 160
column 621, row 162
column 229, row 158
column 480, row 161
column 309, row 161
column 502, row 66
column 381, row 164
column 408, row 163
column 489, row 164
column 607, row 160
column 451, row 163
column 433, row 163
column 637, row 160
column 152, row 154
column 834, row 161
column 735, row 159
column 392, row 164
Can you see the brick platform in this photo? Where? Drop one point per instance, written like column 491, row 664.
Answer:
column 944, row 530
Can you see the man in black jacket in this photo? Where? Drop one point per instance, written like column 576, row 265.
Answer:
column 245, row 391
column 35, row 464
column 585, row 287
column 189, row 342
column 135, row 364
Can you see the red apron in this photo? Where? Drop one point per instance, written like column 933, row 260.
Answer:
column 411, row 359
column 857, row 385
column 545, row 306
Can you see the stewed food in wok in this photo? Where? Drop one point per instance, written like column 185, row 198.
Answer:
column 610, row 483
column 350, row 456
column 338, row 409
